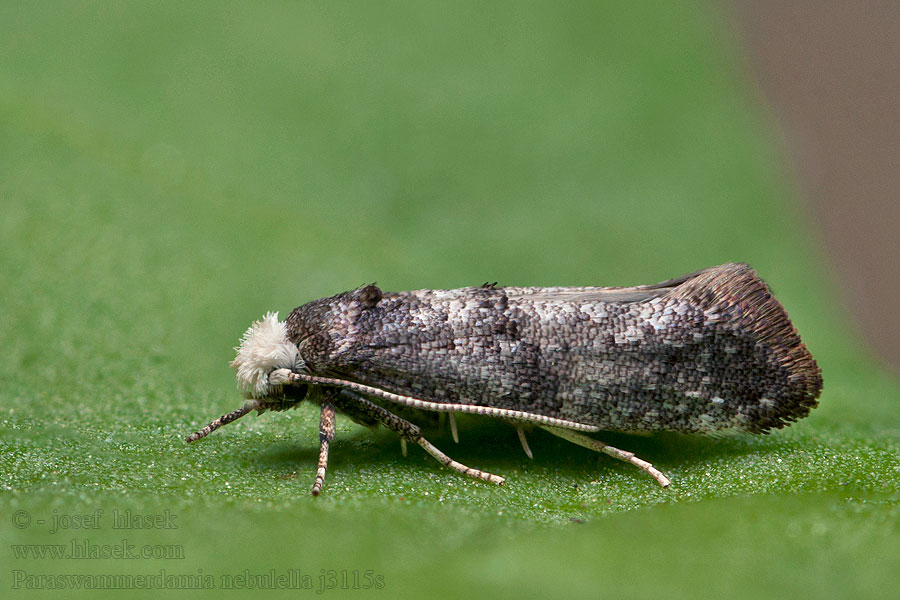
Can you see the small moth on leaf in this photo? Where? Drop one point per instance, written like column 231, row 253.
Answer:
column 709, row 352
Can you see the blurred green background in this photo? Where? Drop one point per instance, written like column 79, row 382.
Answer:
column 171, row 171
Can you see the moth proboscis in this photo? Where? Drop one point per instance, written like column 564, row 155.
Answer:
column 708, row 352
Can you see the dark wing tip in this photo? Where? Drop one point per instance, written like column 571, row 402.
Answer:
column 737, row 293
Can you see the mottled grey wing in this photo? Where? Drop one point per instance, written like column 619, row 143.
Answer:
column 705, row 352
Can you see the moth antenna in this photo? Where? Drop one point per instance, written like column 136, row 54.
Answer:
column 524, row 442
column 223, row 420
column 490, row 411
column 403, row 448
column 326, row 434
column 453, row 430
column 598, row 446
column 408, row 431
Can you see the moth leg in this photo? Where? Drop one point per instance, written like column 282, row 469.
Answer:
column 598, row 446
column 524, row 442
column 223, row 420
column 453, row 430
column 457, row 466
column 326, row 434
column 354, row 403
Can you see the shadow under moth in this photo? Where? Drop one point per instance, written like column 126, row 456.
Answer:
column 709, row 352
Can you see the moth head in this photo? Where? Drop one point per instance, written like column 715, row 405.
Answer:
column 265, row 348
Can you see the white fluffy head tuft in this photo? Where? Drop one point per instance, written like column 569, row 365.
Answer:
column 264, row 348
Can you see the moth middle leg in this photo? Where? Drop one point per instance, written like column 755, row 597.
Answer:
column 355, row 405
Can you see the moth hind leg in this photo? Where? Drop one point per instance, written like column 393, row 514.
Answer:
column 598, row 446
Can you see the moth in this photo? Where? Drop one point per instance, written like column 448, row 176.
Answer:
column 708, row 352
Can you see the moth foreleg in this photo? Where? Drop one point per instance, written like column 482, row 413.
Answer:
column 326, row 434
column 223, row 420
column 354, row 403
column 598, row 446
